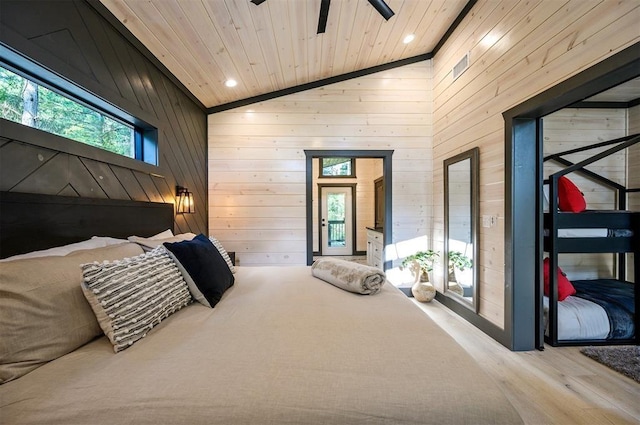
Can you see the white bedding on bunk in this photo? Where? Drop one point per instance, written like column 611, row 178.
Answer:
column 583, row 233
column 580, row 233
column 578, row 319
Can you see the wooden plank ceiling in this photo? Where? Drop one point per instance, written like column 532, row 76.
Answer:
column 625, row 92
column 274, row 45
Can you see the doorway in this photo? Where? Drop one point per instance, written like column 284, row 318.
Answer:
column 337, row 212
column 311, row 224
column 523, row 183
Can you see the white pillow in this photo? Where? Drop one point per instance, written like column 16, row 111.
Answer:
column 545, row 198
column 43, row 313
column 149, row 244
column 59, row 251
column 223, row 252
column 162, row 235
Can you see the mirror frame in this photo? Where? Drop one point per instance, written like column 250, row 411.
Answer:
column 473, row 155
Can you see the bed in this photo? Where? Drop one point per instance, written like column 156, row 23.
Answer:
column 597, row 311
column 601, row 309
column 280, row 347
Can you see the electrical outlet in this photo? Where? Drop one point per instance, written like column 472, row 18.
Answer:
column 489, row 220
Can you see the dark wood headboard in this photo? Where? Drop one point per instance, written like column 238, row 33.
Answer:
column 30, row 222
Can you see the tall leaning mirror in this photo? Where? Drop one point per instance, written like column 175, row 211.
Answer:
column 461, row 210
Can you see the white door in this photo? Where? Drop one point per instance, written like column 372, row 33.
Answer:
column 336, row 221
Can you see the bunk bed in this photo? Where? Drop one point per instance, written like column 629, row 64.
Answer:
column 601, row 311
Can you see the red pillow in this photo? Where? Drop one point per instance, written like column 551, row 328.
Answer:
column 569, row 196
column 565, row 288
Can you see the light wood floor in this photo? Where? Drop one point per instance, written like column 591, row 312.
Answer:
column 556, row 386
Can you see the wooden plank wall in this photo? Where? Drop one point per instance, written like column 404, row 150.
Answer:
column 517, row 50
column 572, row 128
column 72, row 39
column 257, row 160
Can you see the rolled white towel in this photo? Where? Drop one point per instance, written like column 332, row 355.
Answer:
column 352, row 277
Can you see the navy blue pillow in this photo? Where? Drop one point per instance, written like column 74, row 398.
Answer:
column 206, row 267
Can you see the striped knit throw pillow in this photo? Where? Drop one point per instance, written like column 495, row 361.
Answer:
column 131, row 296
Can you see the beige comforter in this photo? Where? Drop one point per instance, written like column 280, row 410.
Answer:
column 280, row 348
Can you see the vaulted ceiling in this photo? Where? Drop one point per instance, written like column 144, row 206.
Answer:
column 274, row 45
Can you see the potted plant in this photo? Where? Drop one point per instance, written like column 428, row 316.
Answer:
column 422, row 263
column 462, row 268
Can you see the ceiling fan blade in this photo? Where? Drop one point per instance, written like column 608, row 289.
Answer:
column 324, row 12
column 257, row 2
column 382, row 8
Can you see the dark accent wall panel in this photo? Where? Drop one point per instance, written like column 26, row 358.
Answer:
column 74, row 40
column 33, row 221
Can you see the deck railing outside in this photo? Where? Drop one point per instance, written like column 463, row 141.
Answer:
column 337, row 233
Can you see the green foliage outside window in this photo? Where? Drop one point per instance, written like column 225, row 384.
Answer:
column 28, row 103
column 337, row 167
column 336, row 206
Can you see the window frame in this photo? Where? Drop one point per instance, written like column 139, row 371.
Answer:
column 145, row 134
column 350, row 176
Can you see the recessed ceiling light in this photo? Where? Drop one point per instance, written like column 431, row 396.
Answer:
column 231, row 83
column 408, row 39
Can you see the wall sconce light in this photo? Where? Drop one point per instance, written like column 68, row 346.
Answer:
column 185, row 201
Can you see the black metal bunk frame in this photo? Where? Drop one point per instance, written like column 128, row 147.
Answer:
column 619, row 219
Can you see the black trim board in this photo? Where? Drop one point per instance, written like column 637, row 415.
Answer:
column 472, row 317
column 463, row 13
column 523, row 177
column 386, row 156
column 605, row 105
column 318, row 83
column 33, row 136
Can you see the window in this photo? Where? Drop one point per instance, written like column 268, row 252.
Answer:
column 25, row 101
column 337, row 167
